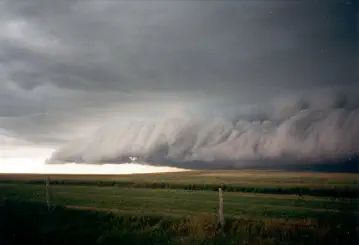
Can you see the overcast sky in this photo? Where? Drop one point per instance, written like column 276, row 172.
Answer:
column 68, row 66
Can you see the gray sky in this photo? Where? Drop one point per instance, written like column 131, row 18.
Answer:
column 68, row 66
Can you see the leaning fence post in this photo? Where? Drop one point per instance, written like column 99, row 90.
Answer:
column 220, row 211
column 48, row 194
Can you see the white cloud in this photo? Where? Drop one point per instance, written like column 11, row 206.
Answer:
column 25, row 34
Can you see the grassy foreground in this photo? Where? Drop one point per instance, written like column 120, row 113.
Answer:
column 167, row 202
column 93, row 210
column 26, row 223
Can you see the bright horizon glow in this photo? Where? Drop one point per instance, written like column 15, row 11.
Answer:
column 34, row 162
column 38, row 166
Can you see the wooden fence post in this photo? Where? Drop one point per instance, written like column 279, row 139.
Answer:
column 48, row 194
column 220, row 211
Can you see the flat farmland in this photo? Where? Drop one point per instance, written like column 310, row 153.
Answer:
column 231, row 177
column 169, row 202
column 271, row 182
column 260, row 207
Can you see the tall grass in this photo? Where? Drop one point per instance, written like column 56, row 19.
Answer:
column 29, row 223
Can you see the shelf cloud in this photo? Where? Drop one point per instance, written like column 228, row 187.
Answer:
column 324, row 126
column 180, row 82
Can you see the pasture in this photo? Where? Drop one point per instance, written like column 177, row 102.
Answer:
column 260, row 207
column 273, row 182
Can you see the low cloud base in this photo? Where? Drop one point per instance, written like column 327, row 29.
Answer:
column 320, row 129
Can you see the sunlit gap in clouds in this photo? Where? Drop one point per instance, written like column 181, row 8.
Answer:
column 31, row 164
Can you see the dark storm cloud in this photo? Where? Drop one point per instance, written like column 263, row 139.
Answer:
column 68, row 66
column 182, row 45
column 312, row 128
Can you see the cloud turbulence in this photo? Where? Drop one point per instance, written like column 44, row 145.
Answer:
column 180, row 82
column 305, row 129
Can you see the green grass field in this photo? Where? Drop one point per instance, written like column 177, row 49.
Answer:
column 252, row 178
column 273, row 182
column 281, row 218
